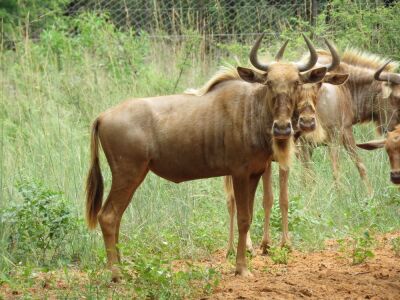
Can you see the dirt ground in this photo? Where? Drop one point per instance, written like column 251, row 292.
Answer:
column 327, row 274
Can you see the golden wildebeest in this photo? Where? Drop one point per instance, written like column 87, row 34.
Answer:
column 230, row 130
column 307, row 123
column 390, row 96
column 357, row 101
column 392, row 146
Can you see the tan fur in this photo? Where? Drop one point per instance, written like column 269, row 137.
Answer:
column 359, row 58
column 318, row 135
column 283, row 154
column 367, row 60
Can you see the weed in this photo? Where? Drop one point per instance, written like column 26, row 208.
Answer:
column 362, row 248
column 358, row 249
column 279, row 255
column 396, row 246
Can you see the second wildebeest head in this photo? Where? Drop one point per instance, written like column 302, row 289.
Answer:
column 392, row 147
column 390, row 94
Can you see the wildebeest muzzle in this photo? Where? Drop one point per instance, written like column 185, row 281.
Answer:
column 395, row 177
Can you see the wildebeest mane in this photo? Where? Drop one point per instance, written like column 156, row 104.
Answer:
column 222, row 75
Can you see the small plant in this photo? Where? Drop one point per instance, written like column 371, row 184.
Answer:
column 40, row 226
column 358, row 249
column 396, row 246
column 279, row 255
column 362, row 248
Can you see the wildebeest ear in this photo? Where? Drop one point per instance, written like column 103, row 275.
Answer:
column 313, row 75
column 249, row 75
column 336, row 79
column 372, row 145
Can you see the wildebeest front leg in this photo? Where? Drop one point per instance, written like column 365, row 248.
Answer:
column 241, row 191
column 268, row 201
column 284, row 205
column 253, row 183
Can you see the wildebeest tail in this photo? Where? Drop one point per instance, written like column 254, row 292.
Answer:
column 94, row 182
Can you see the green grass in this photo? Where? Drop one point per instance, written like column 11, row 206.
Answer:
column 50, row 93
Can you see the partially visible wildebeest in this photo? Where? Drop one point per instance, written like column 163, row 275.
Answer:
column 390, row 95
column 307, row 124
column 230, row 130
column 357, row 101
column 392, row 146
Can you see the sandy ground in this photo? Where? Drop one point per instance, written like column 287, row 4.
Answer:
column 327, row 274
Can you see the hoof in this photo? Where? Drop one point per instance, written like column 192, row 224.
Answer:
column 287, row 246
column 115, row 275
column 265, row 248
column 243, row 273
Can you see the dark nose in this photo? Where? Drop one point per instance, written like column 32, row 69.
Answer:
column 307, row 124
column 395, row 177
column 282, row 130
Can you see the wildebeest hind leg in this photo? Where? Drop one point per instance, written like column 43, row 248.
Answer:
column 350, row 145
column 253, row 183
column 124, row 184
column 230, row 202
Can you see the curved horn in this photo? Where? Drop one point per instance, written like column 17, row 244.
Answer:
column 254, row 58
column 391, row 77
column 313, row 56
column 279, row 55
column 335, row 56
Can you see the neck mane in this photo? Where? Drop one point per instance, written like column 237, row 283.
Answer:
column 222, row 75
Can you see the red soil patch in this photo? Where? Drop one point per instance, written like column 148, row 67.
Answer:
column 325, row 274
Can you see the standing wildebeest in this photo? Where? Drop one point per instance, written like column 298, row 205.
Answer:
column 391, row 86
column 307, row 124
column 230, row 130
column 392, row 146
column 359, row 100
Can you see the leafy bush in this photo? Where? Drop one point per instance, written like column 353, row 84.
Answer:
column 41, row 226
column 358, row 249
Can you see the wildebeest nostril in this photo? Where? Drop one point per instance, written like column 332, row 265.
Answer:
column 282, row 129
column 307, row 124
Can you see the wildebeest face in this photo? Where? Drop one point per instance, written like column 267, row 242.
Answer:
column 392, row 146
column 390, row 90
column 307, row 100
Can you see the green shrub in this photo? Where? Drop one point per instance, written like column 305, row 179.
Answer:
column 40, row 226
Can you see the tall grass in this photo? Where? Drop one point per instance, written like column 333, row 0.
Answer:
column 51, row 90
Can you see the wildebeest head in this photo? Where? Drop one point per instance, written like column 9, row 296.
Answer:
column 390, row 90
column 282, row 81
column 308, row 94
column 392, row 146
